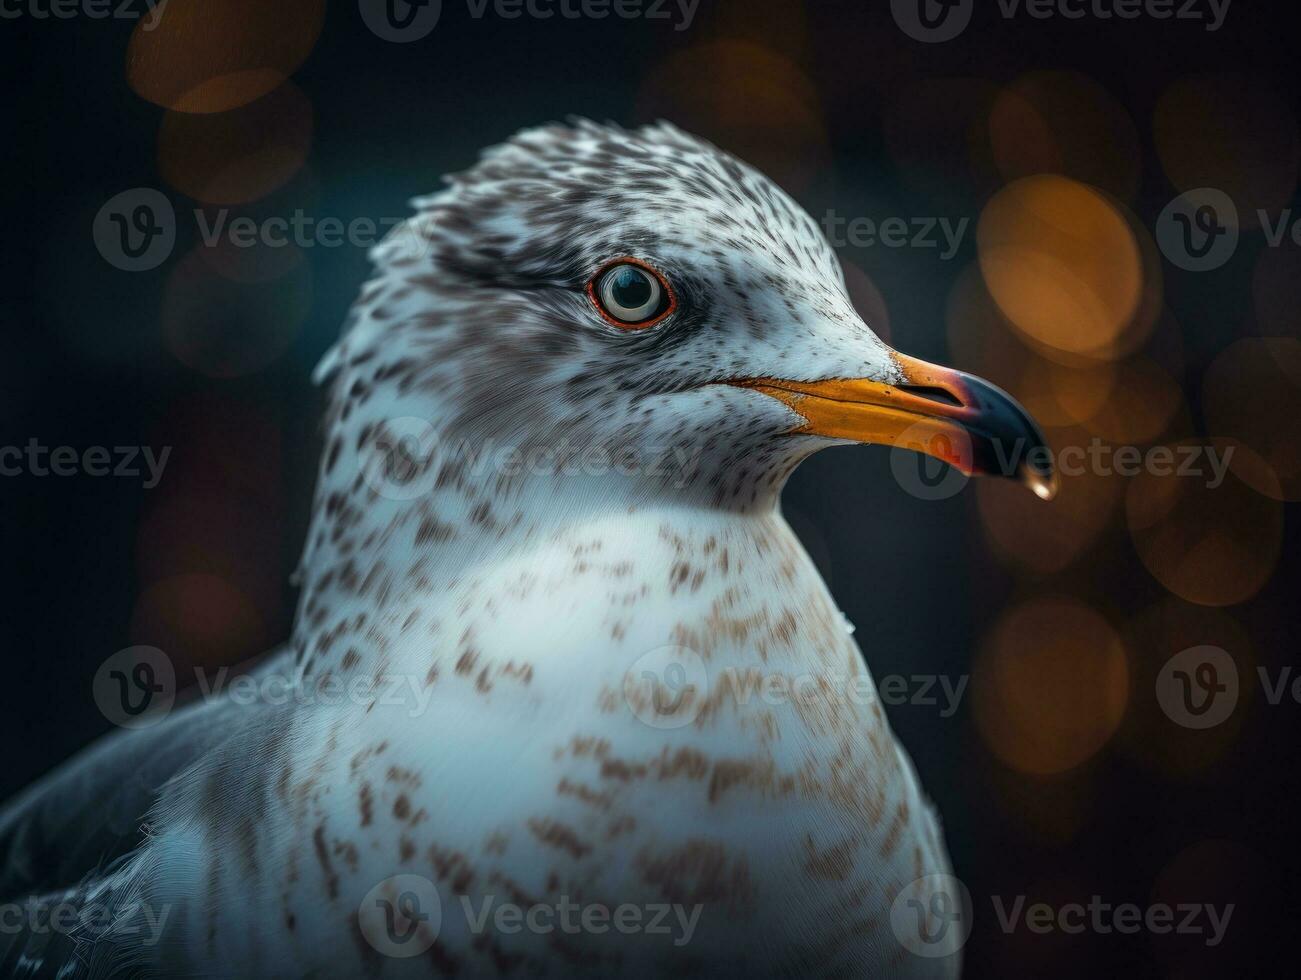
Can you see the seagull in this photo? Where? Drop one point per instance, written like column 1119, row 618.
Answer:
column 564, row 695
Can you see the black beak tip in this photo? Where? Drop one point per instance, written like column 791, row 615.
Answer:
column 1016, row 446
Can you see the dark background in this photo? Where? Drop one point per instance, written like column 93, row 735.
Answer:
column 211, row 354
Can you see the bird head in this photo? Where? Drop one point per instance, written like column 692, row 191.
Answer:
column 646, row 294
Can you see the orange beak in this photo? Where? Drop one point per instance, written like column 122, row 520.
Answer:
column 956, row 417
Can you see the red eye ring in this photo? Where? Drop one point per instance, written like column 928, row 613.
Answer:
column 601, row 273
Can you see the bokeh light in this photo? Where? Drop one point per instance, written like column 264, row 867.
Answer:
column 1049, row 686
column 1057, row 395
column 747, row 98
column 1231, row 132
column 980, row 338
column 258, row 263
column 1143, row 403
column 1061, row 263
column 1048, row 536
column 1211, row 544
column 1276, row 289
column 1065, row 123
column 1149, row 736
column 226, row 329
column 781, row 25
column 937, row 132
column 238, row 156
column 199, row 620
column 213, row 57
column 1252, row 395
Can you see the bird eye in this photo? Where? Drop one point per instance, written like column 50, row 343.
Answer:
column 631, row 295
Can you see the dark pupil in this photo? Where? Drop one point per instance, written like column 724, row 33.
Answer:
column 631, row 288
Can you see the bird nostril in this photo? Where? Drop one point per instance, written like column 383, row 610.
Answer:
column 935, row 394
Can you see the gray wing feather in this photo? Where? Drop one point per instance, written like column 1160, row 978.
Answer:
column 63, row 839
column 89, row 812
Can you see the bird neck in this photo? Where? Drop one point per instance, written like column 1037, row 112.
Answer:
column 409, row 507
column 378, row 568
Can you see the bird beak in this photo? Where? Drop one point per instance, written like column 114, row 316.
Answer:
column 956, row 417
